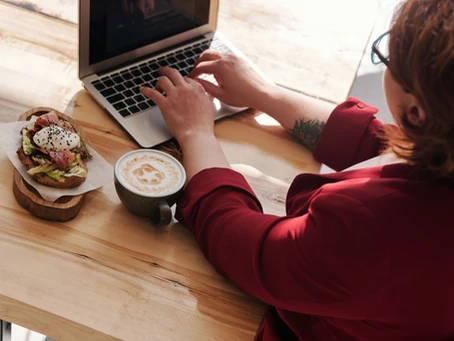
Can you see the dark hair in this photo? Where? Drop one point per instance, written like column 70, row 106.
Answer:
column 421, row 59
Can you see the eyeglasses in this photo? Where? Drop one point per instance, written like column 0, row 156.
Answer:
column 376, row 56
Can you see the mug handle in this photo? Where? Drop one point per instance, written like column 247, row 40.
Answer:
column 162, row 215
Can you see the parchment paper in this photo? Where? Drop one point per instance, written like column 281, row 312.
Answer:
column 100, row 172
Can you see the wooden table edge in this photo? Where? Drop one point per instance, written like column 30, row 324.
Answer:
column 56, row 327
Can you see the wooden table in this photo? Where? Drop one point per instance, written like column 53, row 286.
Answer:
column 109, row 275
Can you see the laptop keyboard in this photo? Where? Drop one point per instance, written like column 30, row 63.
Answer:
column 121, row 89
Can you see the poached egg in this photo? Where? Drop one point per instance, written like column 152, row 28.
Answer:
column 54, row 138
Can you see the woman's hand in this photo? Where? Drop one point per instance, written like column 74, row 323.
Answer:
column 239, row 84
column 189, row 114
column 186, row 108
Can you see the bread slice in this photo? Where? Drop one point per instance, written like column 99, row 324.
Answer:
column 69, row 182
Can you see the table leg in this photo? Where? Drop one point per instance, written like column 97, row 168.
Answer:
column 5, row 331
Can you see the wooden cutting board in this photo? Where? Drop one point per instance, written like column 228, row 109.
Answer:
column 64, row 208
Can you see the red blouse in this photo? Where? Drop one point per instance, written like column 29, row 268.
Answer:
column 365, row 254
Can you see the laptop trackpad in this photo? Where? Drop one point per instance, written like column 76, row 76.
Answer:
column 148, row 128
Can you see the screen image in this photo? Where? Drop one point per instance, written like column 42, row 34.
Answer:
column 120, row 26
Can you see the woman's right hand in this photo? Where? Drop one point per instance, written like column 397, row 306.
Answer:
column 238, row 84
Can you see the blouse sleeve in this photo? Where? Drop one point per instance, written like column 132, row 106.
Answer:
column 317, row 263
column 350, row 135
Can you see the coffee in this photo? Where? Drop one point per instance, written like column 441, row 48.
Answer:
column 150, row 173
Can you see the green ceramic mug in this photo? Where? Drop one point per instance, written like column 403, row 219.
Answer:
column 148, row 183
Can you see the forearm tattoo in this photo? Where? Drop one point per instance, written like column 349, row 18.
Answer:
column 308, row 132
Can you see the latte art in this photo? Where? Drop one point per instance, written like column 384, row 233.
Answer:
column 150, row 174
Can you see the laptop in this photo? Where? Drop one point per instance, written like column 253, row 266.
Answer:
column 123, row 43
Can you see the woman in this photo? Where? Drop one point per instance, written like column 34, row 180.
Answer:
column 363, row 254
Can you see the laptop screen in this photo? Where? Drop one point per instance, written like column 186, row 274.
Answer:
column 120, row 26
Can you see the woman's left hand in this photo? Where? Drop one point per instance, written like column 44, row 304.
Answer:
column 186, row 108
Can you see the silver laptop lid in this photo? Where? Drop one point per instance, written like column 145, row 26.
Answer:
column 114, row 32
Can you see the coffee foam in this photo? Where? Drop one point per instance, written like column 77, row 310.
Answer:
column 150, row 174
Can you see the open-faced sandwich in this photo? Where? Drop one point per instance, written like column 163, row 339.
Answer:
column 53, row 151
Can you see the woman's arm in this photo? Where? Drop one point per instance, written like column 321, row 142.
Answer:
column 322, row 262
column 339, row 136
column 303, row 116
column 307, row 263
column 200, row 152
column 239, row 85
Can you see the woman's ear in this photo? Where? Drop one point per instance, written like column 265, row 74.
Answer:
column 415, row 114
